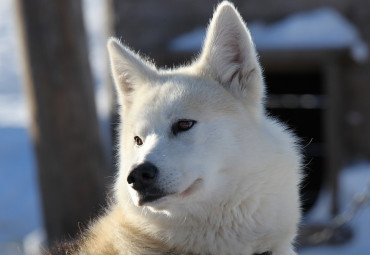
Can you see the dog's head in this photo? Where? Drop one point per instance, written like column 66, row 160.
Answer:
column 183, row 130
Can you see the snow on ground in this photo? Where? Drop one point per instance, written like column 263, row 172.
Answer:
column 20, row 209
column 19, row 196
column 354, row 180
column 12, row 106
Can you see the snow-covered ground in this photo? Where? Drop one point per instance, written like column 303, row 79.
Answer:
column 20, row 207
column 354, row 180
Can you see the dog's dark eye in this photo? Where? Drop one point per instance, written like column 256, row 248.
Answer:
column 138, row 141
column 182, row 126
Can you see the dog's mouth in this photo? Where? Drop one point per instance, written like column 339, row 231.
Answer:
column 149, row 197
column 192, row 188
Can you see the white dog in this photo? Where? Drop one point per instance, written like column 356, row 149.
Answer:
column 203, row 170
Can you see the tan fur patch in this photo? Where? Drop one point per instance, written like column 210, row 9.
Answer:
column 113, row 234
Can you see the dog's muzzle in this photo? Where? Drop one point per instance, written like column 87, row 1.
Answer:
column 143, row 178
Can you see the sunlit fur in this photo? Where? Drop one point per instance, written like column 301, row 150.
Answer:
column 232, row 179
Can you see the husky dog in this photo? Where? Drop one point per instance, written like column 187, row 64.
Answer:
column 203, row 169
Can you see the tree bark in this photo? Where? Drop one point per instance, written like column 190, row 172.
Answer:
column 71, row 163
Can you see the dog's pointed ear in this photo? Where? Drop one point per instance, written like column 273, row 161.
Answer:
column 229, row 56
column 129, row 70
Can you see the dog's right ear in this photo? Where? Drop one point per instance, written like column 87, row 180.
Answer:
column 129, row 70
column 229, row 56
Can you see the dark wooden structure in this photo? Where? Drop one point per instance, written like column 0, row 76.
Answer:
column 312, row 80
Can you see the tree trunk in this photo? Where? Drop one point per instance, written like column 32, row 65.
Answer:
column 71, row 164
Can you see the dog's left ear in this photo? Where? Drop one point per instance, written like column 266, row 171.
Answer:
column 229, row 56
column 129, row 70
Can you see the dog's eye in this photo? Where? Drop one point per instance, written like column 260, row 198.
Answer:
column 138, row 141
column 182, row 126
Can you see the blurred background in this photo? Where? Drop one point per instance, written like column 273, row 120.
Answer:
column 58, row 110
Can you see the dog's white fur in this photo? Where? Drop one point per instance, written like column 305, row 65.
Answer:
column 232, row 179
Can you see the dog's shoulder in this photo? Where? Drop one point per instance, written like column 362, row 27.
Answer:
column 113, row 234
column 97, row 239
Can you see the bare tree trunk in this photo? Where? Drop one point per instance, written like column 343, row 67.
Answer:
column 71, row 163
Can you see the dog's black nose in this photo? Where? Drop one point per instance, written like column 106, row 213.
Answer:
column 142, row 176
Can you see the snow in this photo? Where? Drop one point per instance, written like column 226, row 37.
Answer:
column 188, row 42
column 12, row 106
column 21, row 215
column 13, row 110
column 19, row 199
column 323, row 28
column 353, row 180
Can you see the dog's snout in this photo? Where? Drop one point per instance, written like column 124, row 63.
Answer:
column 142, row 176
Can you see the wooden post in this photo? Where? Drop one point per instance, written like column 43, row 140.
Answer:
column 71, row 164
column 334, row 124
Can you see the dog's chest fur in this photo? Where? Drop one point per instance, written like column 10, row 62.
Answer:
column 115, row 234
